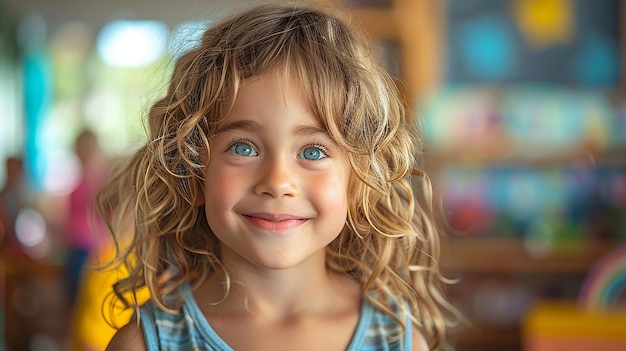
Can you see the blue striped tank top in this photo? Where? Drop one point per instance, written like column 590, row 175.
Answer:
column 190, row 331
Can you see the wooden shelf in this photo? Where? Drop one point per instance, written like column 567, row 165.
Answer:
column 493, row 255
column 499, row 151
column 418, row 28
column 487, row 333
column 378, row 23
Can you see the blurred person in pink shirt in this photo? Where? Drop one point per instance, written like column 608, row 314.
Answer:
column 85, row 230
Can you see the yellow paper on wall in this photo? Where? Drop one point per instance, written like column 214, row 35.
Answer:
column 93, row 311
column 545, row 22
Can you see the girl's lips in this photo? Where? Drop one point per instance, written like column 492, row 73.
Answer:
column 274, row 222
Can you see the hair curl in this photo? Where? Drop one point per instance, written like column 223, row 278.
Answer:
column 391, row 241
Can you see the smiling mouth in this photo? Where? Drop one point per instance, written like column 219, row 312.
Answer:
column 274, row 222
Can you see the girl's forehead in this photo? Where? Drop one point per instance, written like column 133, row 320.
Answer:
column 322, row 91
column 280, row 73
column 289, row 81
column 254, row 90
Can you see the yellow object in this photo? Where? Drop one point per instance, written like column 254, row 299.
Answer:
column 545, row 22
column 91, row 330
column 562, row 325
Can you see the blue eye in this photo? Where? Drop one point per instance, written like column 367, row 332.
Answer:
column 312, row 153
column 243, row 149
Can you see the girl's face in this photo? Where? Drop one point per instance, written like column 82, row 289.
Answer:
column 276, row 183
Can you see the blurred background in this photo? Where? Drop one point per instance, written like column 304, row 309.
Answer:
column 521, row 102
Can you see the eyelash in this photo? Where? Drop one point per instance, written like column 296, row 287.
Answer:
column 318, row 145
column 237, row 141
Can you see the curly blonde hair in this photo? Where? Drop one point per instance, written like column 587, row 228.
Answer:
column 391, row 241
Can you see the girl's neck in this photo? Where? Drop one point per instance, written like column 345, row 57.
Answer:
column 278, row 294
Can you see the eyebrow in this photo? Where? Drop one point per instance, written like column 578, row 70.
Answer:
column 252, row 126
column 244, row 125
column 308, row 130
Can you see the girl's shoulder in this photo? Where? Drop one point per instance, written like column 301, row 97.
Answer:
column 129, row 337
column 187, row 329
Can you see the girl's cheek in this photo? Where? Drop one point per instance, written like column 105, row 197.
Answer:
column 334, row 187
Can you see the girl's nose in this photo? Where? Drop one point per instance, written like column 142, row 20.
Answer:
column 276, row 178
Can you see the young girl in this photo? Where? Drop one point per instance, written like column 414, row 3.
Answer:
column 273, row 204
